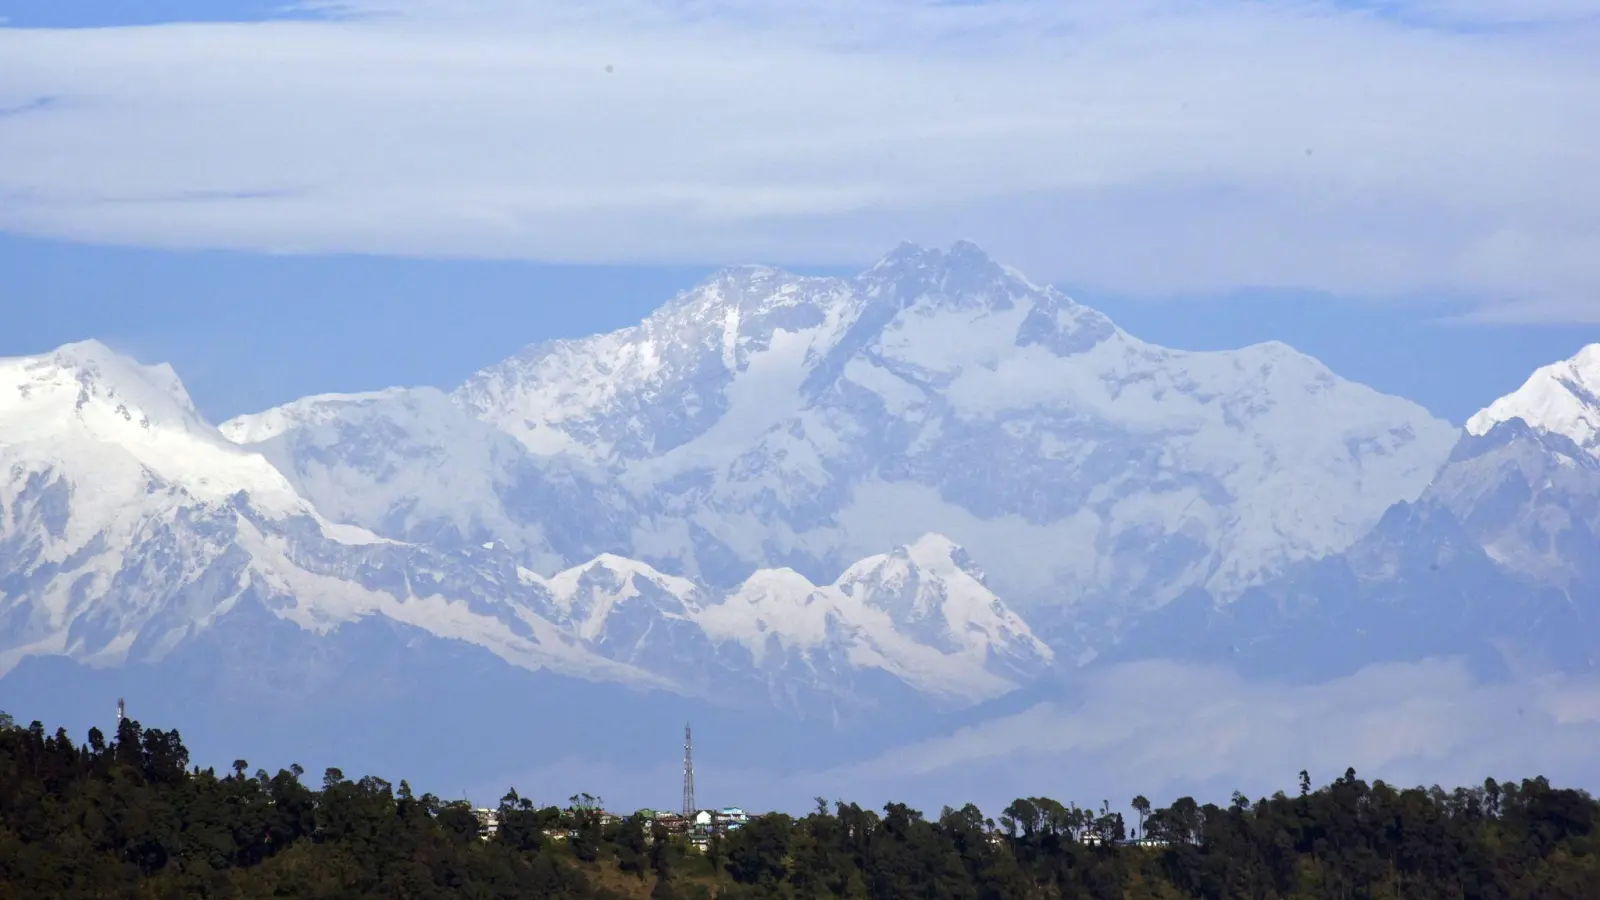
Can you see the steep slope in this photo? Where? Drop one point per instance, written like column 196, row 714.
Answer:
column 1560, row 399
column 808, row 422
column 112, row 421
column 411, row 465
column 102, row 457
column 130, row 529
column 934, row 594
column 763, row 419
column 1498, row 561
column 704, row 368
column 128, row 525
column 630, row 613
column 921, row 614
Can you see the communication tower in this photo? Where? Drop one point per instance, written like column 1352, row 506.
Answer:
column 688, row 773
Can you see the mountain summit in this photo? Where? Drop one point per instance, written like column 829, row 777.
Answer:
column 763, row 419
column 772, row 494
column 1563, row 398
column 864, row 501
column 130, row 529
column 119, row 424
column 1497, row 562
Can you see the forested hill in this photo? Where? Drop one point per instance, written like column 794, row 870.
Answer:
column 130, row 818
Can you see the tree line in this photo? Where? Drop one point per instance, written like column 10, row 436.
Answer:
column 131, row 818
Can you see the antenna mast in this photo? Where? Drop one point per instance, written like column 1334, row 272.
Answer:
column 122, row 710
column 688, row 773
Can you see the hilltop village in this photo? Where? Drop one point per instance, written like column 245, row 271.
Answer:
column 699, row 827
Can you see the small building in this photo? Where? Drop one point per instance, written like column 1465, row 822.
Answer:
column 488, row 822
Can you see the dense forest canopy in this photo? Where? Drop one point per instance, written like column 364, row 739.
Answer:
column 130, row 818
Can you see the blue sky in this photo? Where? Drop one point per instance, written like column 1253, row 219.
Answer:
column 283, row 200
column 103, row 13
column 249, row 331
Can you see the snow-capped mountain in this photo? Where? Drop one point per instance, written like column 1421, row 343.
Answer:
column 700, row 505
column 1497, row 561
column 689, row 519
column 114, row 486
column 921, row 613
column 763, row 419
column 416, row 467
column 129, row 526
column 1560, row 399
column 914, row 614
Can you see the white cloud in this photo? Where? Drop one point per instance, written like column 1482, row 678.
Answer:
column 1495, row 12
column 1141, row 146
column 1166, row 729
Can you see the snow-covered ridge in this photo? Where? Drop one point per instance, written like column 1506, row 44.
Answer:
column 129, row 526
column 1495, row 564
column 408, row 462
column 811, row 422
column 306, row 412
column 586, row 597
column 1562, row 398
column 763, row 437
column 920, row 613
column 86, row 401
column 763, row 419
column 547, row 396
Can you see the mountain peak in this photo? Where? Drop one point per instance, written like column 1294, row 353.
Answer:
column 962, row 277
column 109, row 419
column 1562, row 398
column 908, row 256
column 319, row 409
column 905, row 251
column 88, row 349
column 89, row 385
column 937, row 553
column 96, row 366
column 624, row 568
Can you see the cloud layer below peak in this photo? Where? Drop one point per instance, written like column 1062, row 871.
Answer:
column 1145, row 147
column 1166, row 729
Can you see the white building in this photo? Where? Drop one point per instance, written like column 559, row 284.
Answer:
column 488, row 822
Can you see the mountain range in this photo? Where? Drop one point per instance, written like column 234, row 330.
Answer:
column 773, row 496
column 1498, row 561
